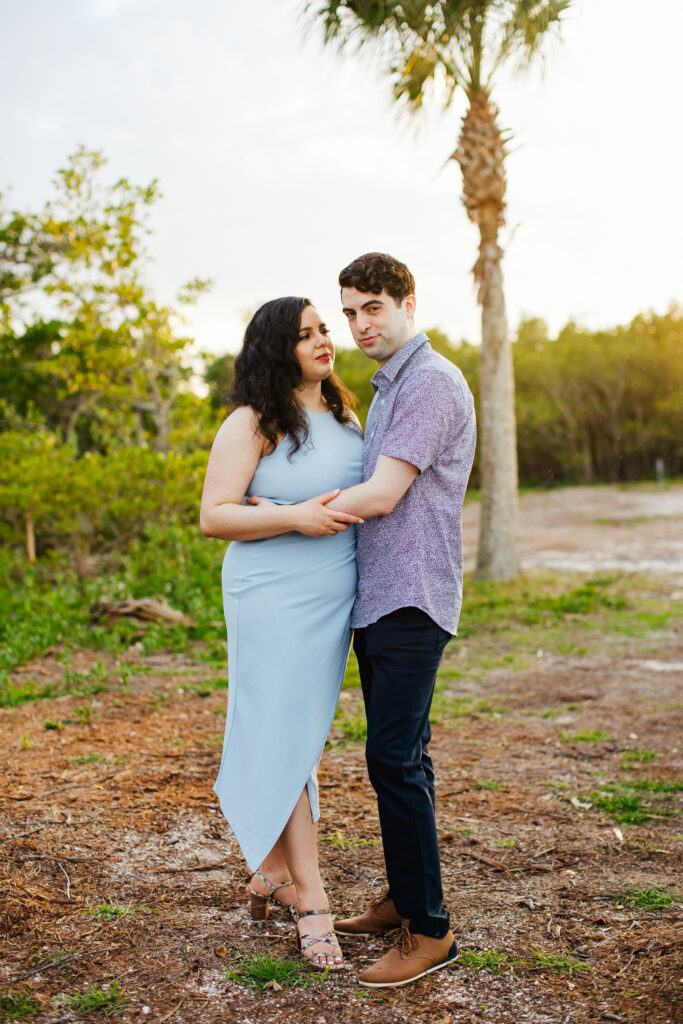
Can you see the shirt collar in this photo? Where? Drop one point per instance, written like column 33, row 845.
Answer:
column 390, row 370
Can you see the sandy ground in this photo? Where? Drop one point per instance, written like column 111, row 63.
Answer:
column 630, row 529
column 531, row 864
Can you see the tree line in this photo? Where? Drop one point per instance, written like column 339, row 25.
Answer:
column 103, row 432
column 590, row 406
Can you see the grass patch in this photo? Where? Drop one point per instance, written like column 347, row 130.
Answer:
column 46, row 604
column 488, row 784
column 98, row 759
column 630, row 758
column 628, row 802
column 561, row 963
column 648, row 899
column 16, row 1008
column 265, row 972
column 80, row 684
column 344, row 842
column 206, row 687
column 510, row 842
column 446, row 706
column 111, row 1000
column 492, row 961
column 596, row 736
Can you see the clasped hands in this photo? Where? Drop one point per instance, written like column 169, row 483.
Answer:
column 313, row 517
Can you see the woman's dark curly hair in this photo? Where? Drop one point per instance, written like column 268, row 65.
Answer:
column 267, row 373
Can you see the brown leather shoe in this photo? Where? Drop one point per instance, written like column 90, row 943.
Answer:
column 380, row 916
column 411, row 958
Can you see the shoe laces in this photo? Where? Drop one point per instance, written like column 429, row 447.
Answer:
column 406, row 940
column 378, row 900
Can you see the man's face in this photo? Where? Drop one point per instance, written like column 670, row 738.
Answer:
column 379, row 326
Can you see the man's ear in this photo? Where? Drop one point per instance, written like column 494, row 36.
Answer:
column 409, row 304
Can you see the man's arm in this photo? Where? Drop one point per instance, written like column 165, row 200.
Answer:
column 376, row 497
column 379, row 495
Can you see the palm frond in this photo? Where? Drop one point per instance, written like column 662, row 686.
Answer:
column 528, row 25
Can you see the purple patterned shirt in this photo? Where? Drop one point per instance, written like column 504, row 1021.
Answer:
column 423, row 413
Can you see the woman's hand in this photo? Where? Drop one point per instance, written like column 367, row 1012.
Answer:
column 313, row 518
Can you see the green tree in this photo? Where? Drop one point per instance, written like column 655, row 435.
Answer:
column 108, row 366
column 455, row 45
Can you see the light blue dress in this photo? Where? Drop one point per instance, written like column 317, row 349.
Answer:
column 287, row 605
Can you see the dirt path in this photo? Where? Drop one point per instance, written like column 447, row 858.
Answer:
column 115, row 808
column 593, row 528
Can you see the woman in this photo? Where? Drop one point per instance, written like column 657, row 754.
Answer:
column 287, row 597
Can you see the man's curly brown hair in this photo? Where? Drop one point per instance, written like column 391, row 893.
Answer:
column 376, row 272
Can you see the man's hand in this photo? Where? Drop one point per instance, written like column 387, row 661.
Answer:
column 313, row 518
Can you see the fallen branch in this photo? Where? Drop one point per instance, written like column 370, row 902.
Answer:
column 175, row 1009
column 146, row 609
column 485, row 860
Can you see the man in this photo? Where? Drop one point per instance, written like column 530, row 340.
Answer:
column 418, row 451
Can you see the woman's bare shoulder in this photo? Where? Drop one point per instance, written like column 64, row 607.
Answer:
column 241, row 426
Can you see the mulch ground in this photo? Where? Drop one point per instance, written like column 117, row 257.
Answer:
column 525, row 868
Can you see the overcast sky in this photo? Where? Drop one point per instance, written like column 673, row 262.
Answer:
column 279, row 163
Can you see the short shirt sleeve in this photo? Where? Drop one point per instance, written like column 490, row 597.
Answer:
column 429, row 413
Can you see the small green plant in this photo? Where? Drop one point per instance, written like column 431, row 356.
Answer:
column 488, row 784
column 509, row 842
column 159, row 697
column 630, row 758
column 492, row 961
column 597, row 736
column 16, row 1008
column 87, row 759
column 343, row 842
column 463, row 831
column 562, row 963
column 84, row 683
column 112, row 1000
column 109, row 911
column 555, row 785
column 83, row 714
column 265, row 971
column 25, row 742
column 52, row 723
column 649, row 899
column 206, row 687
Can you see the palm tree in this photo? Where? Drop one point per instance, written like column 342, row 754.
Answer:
column 445, row 46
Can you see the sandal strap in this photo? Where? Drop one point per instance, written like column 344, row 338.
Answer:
column 269, row 885
column 312, row 913
column 327, row 939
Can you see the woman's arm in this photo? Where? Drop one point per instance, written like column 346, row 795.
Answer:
column 235, row 454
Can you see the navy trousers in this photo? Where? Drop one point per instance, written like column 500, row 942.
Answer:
column 398, row 657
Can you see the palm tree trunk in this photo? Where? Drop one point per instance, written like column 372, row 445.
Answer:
column 480, row 154
column 497, row 557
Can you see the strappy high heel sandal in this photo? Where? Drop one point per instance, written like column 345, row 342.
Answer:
column 307, row 941
column 259, row 905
